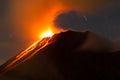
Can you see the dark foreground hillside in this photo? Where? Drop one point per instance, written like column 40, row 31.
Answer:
column 66, row 56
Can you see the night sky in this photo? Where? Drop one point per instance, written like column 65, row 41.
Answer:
column 22, row 20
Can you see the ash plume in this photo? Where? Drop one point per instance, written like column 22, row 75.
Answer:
column 70, row 20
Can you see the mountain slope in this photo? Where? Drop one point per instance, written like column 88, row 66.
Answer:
column 65, row 56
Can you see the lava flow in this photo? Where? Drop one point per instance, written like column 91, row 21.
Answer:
column 30, row 51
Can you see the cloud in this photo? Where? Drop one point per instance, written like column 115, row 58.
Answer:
column 33, row 14
column 69, row 20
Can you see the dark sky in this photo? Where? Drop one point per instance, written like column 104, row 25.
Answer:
column 17, row 18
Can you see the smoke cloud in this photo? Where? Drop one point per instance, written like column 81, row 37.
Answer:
column 29, row 17
column 70, row 20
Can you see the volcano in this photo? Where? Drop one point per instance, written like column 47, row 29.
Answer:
column 67, row 55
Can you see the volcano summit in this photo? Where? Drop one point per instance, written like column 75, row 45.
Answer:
column 65, row 56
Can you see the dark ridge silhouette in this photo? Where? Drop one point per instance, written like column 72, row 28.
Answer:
column 68, row 55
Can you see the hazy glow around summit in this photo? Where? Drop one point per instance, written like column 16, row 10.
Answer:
column 46, row 33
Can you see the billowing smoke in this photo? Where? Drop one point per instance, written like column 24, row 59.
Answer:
column 31, row 16
column 70, row 20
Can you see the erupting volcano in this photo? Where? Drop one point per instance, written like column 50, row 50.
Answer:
column 47, row 33
column 67, row 55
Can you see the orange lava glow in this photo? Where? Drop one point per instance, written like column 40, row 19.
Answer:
column 44, row 25
column 46, row 33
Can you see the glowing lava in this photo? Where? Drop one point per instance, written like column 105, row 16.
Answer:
column 46, row 33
